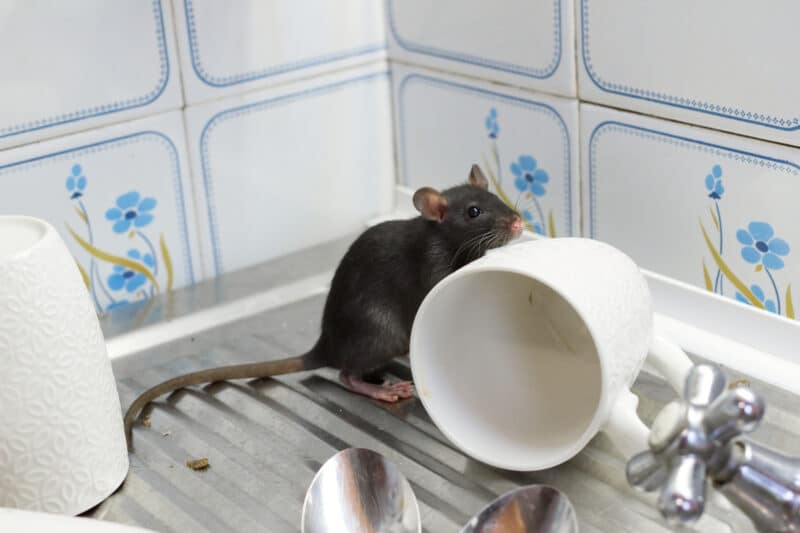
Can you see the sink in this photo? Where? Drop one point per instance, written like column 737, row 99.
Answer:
column 265, row 439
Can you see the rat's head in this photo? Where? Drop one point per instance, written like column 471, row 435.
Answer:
column 469, row 216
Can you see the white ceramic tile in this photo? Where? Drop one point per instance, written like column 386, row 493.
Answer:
column 444, row 124
column 69, row 66
column 529, row 44
column 233, row 47
column 287, row 168
column 729, row 64
column 121, row 198
column 653, row 187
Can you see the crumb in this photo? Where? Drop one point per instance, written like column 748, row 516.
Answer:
column 198, row 464
column 166, row 433
column 739, row 383
column 146, row 421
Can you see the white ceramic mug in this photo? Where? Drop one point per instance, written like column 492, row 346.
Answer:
column 62, row 445
column 524, row 355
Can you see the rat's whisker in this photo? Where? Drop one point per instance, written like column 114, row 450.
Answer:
column 473, row 246
column 465, row 245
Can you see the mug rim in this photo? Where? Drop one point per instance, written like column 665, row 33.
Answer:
column 594, row 426
column 24, row 252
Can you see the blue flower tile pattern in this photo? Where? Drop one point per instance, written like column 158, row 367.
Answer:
column 492, row 127
column 125, row 278
column 769, row 305
column 131, row 210
column 528, row 176
column 115, row 277
column 535, row 224
column 761, row 247
column 76, row 182
column 714, row 183
column 146, row 258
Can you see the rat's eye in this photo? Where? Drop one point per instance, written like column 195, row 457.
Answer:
column 474, row 211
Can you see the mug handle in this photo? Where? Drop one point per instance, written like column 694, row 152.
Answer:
column 624, row 427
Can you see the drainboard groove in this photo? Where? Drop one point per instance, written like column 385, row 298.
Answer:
column 206, row 490
column 425, row 490
column 129, row 511
column 177, row 509
column 418, row 456
column 389, row 419
column 438, row 513
column 248, row 472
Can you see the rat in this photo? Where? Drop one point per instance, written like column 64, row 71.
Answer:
column 378, row 287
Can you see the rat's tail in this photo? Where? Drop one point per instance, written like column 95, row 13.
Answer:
column 265, row 369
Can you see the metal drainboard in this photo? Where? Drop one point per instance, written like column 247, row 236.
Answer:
column 265, row 440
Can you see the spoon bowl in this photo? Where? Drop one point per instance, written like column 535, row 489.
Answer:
column 360, row 491
column 530, row 509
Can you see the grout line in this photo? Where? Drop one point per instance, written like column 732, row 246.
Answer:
column 579, row 156
column 201, row 231
column 504, row 84
column 372, row 59
column 393, row 124
column 178, row 50
column 679, row 122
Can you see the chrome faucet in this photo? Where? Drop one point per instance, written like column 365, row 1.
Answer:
column 697, row 441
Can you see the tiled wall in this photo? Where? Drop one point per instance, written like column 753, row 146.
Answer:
column 480, row 82
column 715, row 210
column 172, row 140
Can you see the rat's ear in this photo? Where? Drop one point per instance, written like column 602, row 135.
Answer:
column 477, row 178
column 430, row 204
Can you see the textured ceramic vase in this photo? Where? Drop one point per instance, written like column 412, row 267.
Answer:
column 62, row 445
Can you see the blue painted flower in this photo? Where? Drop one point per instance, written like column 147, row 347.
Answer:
column 130, row 210
column 76, row 182
column 528, row 177
column 537, row 226
column 125, row 278
column 758, row 292
column 760, row 247
column 714, row 183
column 146, row 258
column 491, row 124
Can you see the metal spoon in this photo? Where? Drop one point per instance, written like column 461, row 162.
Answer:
column 530, row 509
column 359, row 491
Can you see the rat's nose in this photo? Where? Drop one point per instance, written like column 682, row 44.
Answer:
column 516, row 224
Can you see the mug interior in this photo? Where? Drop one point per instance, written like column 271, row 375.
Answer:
column 507, row 369
column 18, row 234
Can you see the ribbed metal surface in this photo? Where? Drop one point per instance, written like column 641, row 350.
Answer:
column 265, row 440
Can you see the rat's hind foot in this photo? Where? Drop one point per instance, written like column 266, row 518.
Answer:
column 404, row 389
column 387, row 392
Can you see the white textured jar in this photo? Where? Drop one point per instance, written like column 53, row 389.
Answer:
column 62, row 444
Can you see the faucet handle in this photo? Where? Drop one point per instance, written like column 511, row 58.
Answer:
column 691, row 440
column 737, row 411
column 683, row 496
